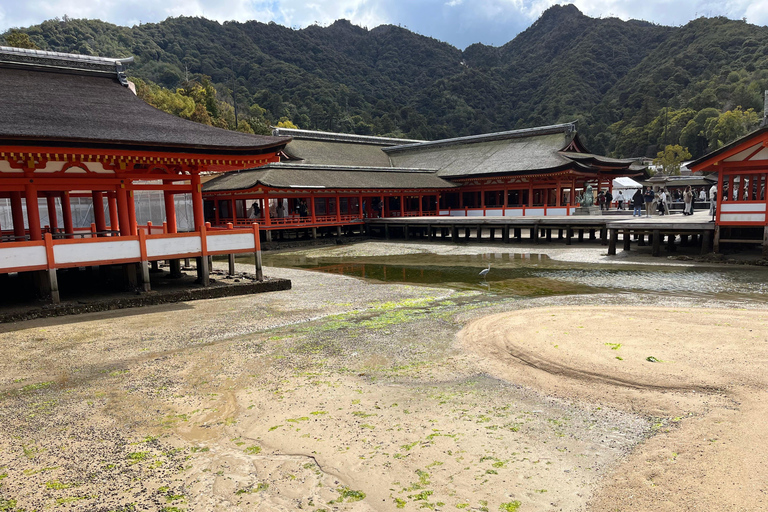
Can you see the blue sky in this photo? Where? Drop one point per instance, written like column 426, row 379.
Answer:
column 459, row 22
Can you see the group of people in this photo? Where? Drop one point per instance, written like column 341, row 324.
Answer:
column 277, row 209
column 659, row 201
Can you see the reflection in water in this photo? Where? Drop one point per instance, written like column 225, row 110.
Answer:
column 526, row 275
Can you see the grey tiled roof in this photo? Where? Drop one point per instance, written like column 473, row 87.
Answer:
column 285, row 176
column 58, row 105
column 337, row 153
column 485, row 156
column 341, row 137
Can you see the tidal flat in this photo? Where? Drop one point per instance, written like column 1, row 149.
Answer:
column 530, row 392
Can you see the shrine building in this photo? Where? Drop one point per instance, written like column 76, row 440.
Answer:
column 741, row 212
column 72, row 126
column 338, row 180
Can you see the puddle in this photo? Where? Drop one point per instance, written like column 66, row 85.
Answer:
column 536, row 275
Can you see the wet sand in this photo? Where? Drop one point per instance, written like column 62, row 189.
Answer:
column 345, row 395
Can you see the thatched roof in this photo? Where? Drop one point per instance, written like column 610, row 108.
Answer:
column 64, row 100
column 298, row 176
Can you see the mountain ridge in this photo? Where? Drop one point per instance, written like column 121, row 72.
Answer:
column 616, row 77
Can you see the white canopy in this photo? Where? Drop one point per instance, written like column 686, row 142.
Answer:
column 625, row 183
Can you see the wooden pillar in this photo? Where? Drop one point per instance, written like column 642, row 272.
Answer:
column 313, row 215
column 122, row 211
column 656, row 248
column 66, row 214
column 257, row 238
column 53, row 219
column 98, row 212
column 33, row 212
column 535, row 233
column 614, row 237
column 716, row 241
column 402, row 206
column 131, row 212
column 765, row 242
column 233, row 201
column 568, row 235
column 338, row 209
column 626, row 237
column 114, row 222
column 197, row 202
column 421, row 205
column 169, row 201
column 17, row 211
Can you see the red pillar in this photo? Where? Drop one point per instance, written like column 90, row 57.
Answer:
column 170, row 211
column 17, row 210
column 98, row 211
column 265, row 211
column 53, row 220
column 197, row 201
column 421, row 205
column 311, row 209
column 114, row 222
column 338, row 208
column 66, row 214
column 402, row 206
column 131, row 212
column 234, row 210
column 122, row 212
column 360, row 205
column 33, row 212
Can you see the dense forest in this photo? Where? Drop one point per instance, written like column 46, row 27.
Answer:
column 634, row 87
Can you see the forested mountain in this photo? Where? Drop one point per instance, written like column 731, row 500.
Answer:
column 633, row 86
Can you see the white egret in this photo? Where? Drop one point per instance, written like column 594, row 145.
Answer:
column 485, row 271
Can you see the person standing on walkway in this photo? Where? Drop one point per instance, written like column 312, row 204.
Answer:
column 662, row 201
column 601, row 200
column 688, row 200
column 712, row 200
column 637, row 203
column 608, row 199
column 620, row 200
column 648, row 199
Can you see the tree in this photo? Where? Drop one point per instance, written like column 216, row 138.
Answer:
column 671, row 158
column 286, row 123
column 729, row 126
column 19, row 39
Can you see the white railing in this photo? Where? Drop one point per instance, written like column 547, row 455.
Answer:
column 740, row 212
column 524, row 211
column 50, row 254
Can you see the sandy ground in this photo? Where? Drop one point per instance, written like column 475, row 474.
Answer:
column 345, row 395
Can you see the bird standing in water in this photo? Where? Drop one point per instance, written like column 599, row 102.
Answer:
column 485, row 271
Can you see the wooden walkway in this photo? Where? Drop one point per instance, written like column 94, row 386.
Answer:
column 609, row 229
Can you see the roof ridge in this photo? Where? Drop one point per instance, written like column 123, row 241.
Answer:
column 71, row 57
column 565, row 128
column 324, row 167
column 300, row 134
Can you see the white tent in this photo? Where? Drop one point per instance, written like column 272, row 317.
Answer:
column 625, row 183
column 627, row 186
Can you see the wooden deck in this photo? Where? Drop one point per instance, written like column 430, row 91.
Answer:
column 674, row 229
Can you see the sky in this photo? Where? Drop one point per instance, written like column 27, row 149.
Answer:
column 458, row 22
